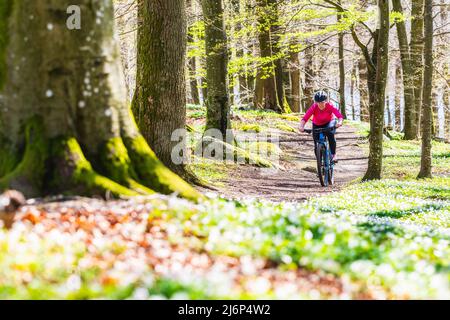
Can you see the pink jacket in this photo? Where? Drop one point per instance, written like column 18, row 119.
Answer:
column 324, row 116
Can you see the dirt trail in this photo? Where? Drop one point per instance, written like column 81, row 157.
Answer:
column 299, row 180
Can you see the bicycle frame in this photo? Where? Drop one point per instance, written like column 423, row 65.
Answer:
column 327, row 164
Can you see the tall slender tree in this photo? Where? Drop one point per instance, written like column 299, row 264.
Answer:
column 425, row 163
column 218, row 100
column 308, row 85
column 408, row 75
column 381, row 54
column 342, row 103
column 65, row 125
column 397, row 99
column 416, row 49
column 363, row 89
column 272, row 69
column 295, row 81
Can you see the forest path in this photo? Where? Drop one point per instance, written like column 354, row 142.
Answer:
column 298, row 181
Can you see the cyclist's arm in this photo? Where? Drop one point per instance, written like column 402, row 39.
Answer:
column 306, row 118
column 338, row 114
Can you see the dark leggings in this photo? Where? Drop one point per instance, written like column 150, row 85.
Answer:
column 330, row 135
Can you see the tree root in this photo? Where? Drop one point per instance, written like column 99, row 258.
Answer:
column 59, row 166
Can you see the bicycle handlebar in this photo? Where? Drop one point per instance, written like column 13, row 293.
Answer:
column 320, row 130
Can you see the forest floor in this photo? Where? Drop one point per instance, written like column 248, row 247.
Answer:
column 375, row 240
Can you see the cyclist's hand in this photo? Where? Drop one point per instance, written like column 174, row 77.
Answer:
column 338, row 125
column 301, row 129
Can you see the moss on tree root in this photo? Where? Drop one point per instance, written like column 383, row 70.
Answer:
column 28, row 175
column 58, row 165
column 116, row 164
column 72, row 173
column 152, row 172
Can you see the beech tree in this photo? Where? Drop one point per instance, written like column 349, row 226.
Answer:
column 408, row 75
column 65, row 126
column 159, row 103
column 425, row 163
column 271, row 74
column 342, row 105
column 218, row 100
column 380, row 59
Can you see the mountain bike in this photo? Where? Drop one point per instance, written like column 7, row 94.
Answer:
column 325, row 166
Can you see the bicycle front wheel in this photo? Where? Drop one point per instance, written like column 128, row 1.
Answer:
column 321, row 161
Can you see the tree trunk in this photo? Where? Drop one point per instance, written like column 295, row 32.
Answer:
column 342, row 104
column 65, row 125
column 416, row 48
column 363, row 90
column 218, row 100
column 425, row 163
column 435, row 114
column 353, row 91
column 193, row 81
column 295, row 82
column 377, row 108
column 239, row 9
column 272, row 71
column 398, row 93
column 447, row 114
column 408, row 76
column 159, row 104
column 308, row 86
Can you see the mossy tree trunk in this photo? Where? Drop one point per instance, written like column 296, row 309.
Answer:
column 377, row 93
column 65, row 126
column 408, row 76
column 425, row 163
column 159, row 104
column 218, row 100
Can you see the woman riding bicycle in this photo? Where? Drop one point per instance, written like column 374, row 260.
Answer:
column 322, row 111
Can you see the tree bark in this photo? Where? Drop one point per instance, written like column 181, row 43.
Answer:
column 308, row 86
column 377, row 107
column 363, row 90
column 425, row 163
column 218, row 100
column 272, row 69
column 65, row 125
column 195, row 97
column 408, row 76
column 353, row 91
column 398, row 93
column 447, row 114
column 435, row 114
column 416, row 48
column 295, row 82
column 159, row 104
column 342, row 104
